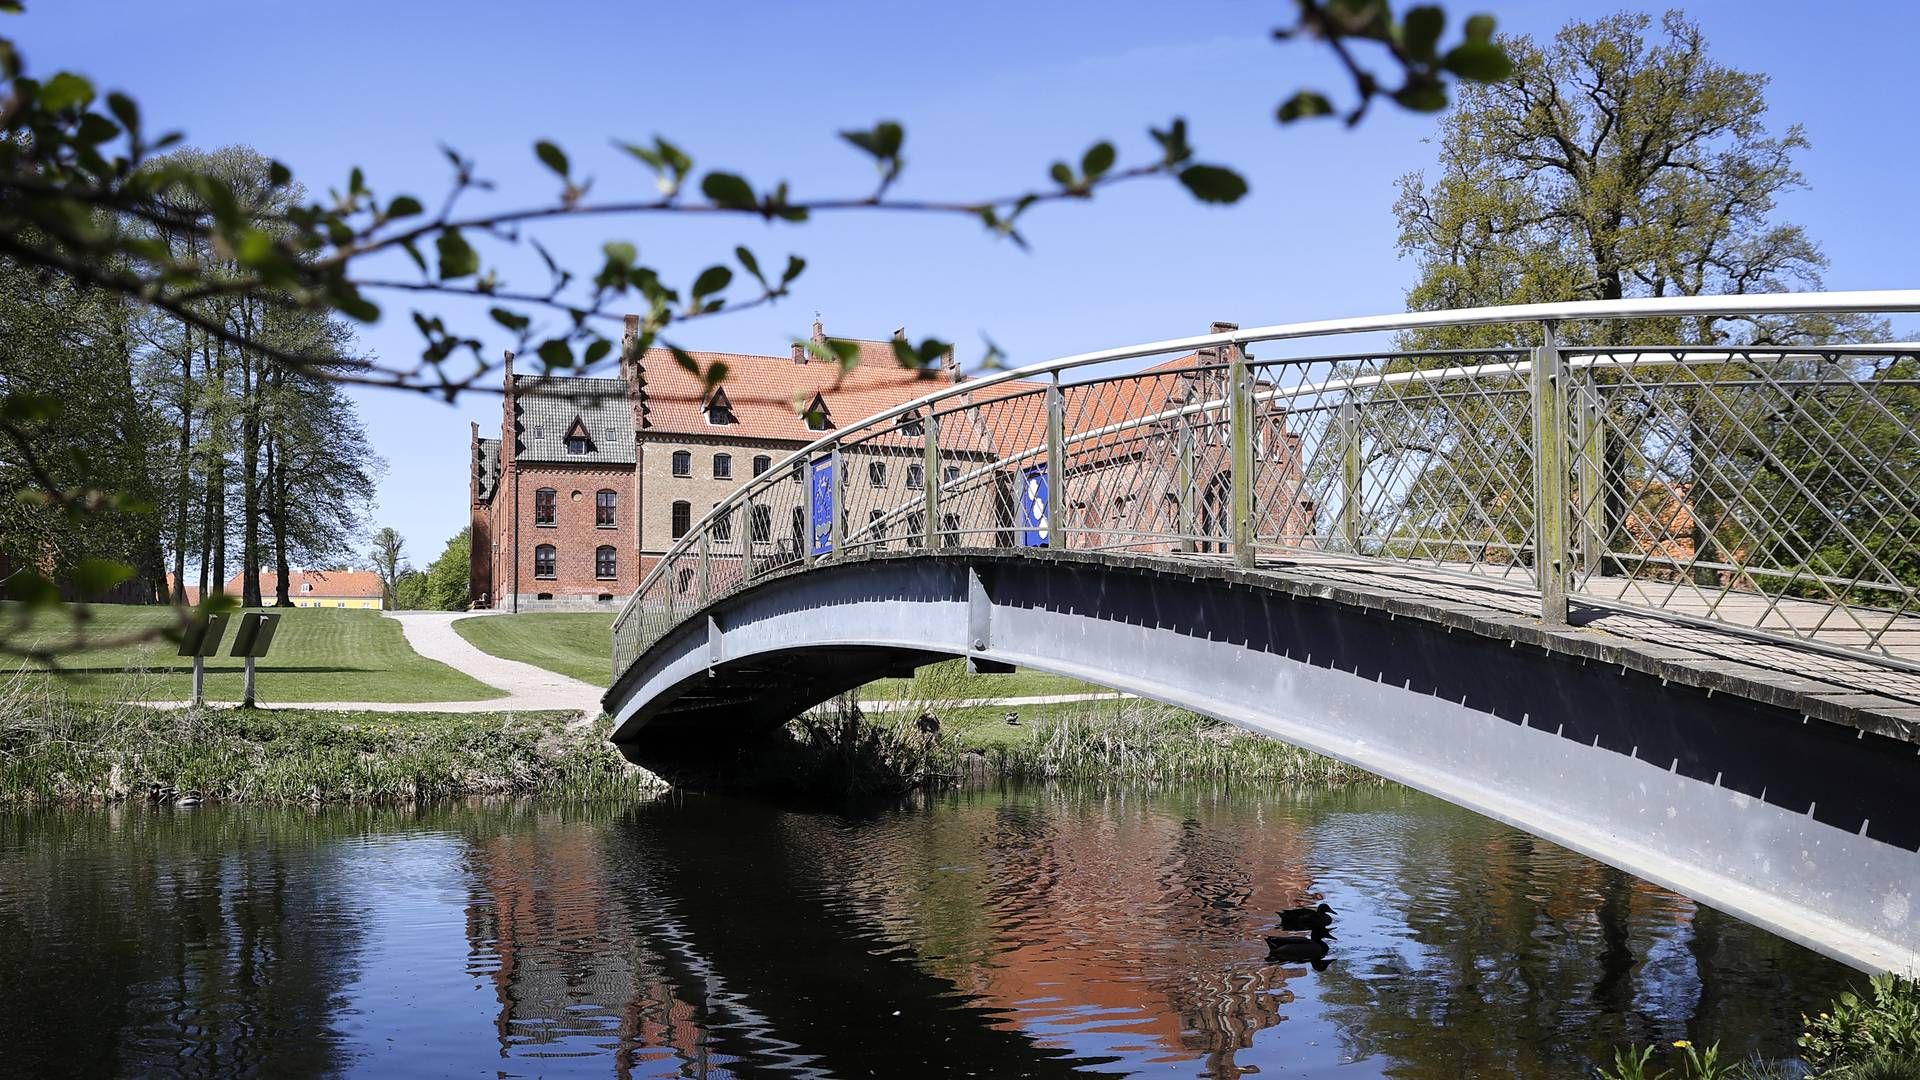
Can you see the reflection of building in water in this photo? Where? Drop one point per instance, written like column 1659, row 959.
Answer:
column 563, row 967
column 1112, row 932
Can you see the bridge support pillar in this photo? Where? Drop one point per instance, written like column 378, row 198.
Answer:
column 1550, row 476
column 1349, row 421
column 1183, row 481
column 1240, row 423
column 1056, row 465
column 837, row 528
column 930, row 479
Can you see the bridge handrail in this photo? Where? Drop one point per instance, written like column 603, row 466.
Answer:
column 1589, row 362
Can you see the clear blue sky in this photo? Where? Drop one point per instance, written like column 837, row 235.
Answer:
column 990, row 93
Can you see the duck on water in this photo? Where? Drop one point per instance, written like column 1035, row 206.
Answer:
column 1290, row 949
column 1307, row 918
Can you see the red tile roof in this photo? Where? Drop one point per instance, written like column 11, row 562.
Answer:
column 328, row 584
column 768, row 393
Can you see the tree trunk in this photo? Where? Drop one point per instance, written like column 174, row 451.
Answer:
column 132, row 430
column 217, row 476
column 249, row 468
column 277, row 507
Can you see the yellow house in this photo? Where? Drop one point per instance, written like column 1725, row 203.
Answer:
column 321, row 588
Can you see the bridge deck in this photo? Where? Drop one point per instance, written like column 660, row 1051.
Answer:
column 1859, row 692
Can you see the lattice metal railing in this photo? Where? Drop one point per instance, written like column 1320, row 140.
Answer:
column 1770, row 490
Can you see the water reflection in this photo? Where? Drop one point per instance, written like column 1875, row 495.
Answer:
column 1032, row 931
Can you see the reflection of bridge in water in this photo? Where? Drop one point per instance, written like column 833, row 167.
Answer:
column 1656, row 603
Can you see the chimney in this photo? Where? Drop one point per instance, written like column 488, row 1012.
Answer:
column 800, row 351
column 899, row 333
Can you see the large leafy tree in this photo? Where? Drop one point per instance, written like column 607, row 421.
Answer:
column 1621, row 159
column 1617, row 160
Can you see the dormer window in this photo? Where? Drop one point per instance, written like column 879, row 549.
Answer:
column 816, row 415
column 719, row 409
column 911, row 425
column 577, row 440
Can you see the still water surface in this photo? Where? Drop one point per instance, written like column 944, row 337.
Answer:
column 1021, row 932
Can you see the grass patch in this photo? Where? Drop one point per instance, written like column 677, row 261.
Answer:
column 956, row 683
column 578, row 644
column 58, row 750
column 319, row 654
column 1137, row 740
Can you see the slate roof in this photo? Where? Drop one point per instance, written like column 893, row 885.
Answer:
column 486, row 468
column 545, row 406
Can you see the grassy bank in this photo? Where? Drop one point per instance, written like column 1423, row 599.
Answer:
column 833, row 749
column 578, row 644
column 54, row 749
column 319, row 654
column 1872, row 1034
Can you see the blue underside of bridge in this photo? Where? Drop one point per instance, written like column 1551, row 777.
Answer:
column 1806, row 827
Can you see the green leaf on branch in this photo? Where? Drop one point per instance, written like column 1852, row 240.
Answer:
column 1173, row 141
column 883, row 142
column 710, row 281
column 65, row 91
column 1306, row 103
column 552, row 157
column 751, row 264
column 512, row 320
column 1213, row 184
column 1097, row 160
column 1479, row 29
column 95, row 576
column 922, row 358
column 834, row 351
column 33, row 590
column 1420, row 30
column 555, row 353
column 124, row 110
column 728, row 191
column 1479, row 61
column 403, row 206
column 457, row 257
column 669, row 163
column 1421, row 96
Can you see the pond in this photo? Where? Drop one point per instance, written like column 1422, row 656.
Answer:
column 1011, row 931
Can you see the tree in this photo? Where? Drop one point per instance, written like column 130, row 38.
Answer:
column 1623, row 161
column 410, row 591
column 388, row 547
column 448, row 576
column 1608, row 165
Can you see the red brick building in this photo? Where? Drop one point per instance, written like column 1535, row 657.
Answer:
column 592, row 479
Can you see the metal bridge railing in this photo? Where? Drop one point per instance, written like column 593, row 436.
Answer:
column 1767, row 489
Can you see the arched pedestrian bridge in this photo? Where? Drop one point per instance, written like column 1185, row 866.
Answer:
column 1655, row 602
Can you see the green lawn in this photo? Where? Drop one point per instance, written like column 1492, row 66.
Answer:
column 574, row 643
column 319, row 654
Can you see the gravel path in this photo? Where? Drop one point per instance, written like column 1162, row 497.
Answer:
column 431, row 634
